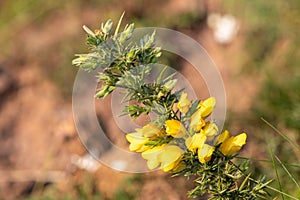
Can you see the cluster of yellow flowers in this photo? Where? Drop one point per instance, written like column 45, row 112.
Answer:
column 194, row 134
column 183, row 139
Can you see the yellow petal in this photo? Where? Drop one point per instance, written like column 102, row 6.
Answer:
column 205, row 153
column 188, row 143
column 175, row 128
column 150, row 130
column 207, row 106
column 180, row 166
column 210, row 130
column 195, row 142
column 137, row 141
column 240, row 139
column 170, row 157
column 222, row 137
column 233, row 144
column 151, row 155
column 197, row 122
column 184, row 103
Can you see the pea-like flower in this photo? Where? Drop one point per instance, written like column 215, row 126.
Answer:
column 179, row 167
column 210, row 130
column 175, row 128
column 195, row 142
column 150, row 130
column 205, row 153
column 151, row 155
column 225, row 135
column 137, row 141
column 184, row 103
column 170, row 157
column 230, row 145
column 206, row 106
column 197, row 122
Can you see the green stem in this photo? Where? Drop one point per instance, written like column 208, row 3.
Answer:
column 274, row 189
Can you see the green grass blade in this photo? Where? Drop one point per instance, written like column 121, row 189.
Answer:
column 282, row 193
column 276, row 171
column 287, row 171
column 282, row 134
column 268, row 161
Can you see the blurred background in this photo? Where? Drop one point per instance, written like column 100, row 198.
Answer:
column 255, row 45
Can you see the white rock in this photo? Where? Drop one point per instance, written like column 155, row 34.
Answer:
column 225, row 27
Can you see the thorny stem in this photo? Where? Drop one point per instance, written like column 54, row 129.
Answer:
column 267, row 186
column 217, row 177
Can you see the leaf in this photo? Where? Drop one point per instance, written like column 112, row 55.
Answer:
column 119, row 24
column 88, row 31
column 161, row 74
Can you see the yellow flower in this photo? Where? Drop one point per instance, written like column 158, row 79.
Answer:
column 151, row 155
column 222, row 137
column 170, row 157
column 197, row 122
column 210, row 130
column 180, row 166
column 233, row 144
column 207, row 106
column 175, row 128
column 137, row 141
column 150, row 130
column 195, row 142
column 205, row 153
column 184, row 103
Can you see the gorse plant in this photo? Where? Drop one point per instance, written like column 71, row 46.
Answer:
column 182, row 139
